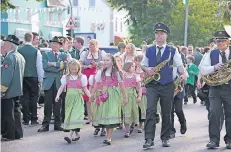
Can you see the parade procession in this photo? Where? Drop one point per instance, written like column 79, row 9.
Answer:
column 158, row 81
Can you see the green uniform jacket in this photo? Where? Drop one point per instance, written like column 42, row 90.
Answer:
column 53, row 73
column 12, row 75
column 75, row 53
column 192, row 72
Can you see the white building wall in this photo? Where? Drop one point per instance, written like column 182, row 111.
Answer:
column 93, row 19
column 120, row 27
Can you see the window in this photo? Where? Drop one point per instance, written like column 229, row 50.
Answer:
column 28, row 14
column 77, row 23
column 91, row 3
column 116, row 22
column 60, row 16
column 17, row 13
column 51, row 15
column 75, row 2
column 121, row 26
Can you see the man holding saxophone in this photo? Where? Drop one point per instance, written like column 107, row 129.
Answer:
column 158, row 63
column 216, row 71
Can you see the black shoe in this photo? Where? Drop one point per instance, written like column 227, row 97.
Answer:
column 25, row 123
column 202, row 102
column 228, row 145
column 85, row 118
column 212, row 145
column 96, row 132
column 64, row 130
column 107, row 142
column 43, row 129
column 183, row 128
column 172, row 135
column 67, row 139
column 148, row 143
column 58, row 128
column 75, row 139
column 103, row 133
column 157, row 118
column 34, row 122
column 131, row 129
column 165, row 143
column 185, row 103
column 194, row 101
column 6, row 139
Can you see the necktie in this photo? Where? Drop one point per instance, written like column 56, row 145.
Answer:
column 158, row 54
column 56, row 56
column 223, row 56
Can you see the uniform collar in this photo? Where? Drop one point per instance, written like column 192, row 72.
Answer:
column 164, row 46
column 28, row 43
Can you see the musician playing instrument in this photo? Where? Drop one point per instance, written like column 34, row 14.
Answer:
column 163, row 88
column 216, row 72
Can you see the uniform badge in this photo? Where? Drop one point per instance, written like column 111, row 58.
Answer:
column 159, row 25
column 6, row 65
column 220, row 32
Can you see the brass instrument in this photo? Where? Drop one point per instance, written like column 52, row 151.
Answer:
column 156, row 77
column 220, row 77
column 178, row 86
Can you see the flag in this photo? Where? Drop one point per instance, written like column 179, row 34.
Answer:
column 186, row 2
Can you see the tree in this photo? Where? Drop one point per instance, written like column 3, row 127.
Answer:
column 203, row 21
column 143, row 14
column 5, row 5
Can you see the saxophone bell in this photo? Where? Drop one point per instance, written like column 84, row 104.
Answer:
column 157, row 77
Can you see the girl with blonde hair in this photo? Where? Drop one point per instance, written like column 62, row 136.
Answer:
column 130, row 53
column 76, row 84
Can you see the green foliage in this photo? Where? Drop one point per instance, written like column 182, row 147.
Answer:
column 203, row 19
column 5, row 5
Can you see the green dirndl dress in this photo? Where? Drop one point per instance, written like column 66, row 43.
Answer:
column 130, row 110
column 74, row 109
column 110, row 110
column 95, row 108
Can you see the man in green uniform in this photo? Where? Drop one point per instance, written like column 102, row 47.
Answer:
column 54, row 62
column 33, row 77
column 79, row 48
column 12, row 71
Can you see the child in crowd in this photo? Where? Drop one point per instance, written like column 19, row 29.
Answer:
column 76, row 84
column 192, row 70
column 109, row 80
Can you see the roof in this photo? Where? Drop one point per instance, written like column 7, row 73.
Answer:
column 54, row 3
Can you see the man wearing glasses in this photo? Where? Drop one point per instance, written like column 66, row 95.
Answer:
column 221, row 94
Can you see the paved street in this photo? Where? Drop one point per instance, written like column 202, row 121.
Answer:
column 195, row 139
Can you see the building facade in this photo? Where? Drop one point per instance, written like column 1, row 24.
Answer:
column 45, row 18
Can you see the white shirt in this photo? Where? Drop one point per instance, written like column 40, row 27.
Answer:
column 39, row 64
column 98, row 76
column 205, row 66
column 177, row 61
column 138, row 79
column 75, row 77
column 83, row 55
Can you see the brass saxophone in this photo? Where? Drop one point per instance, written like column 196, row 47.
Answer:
column 220, row 77
column 156, row 77
column 178, row 86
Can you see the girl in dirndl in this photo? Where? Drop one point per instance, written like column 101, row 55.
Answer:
column 76, row 84
column 132, row 83
column 143, row 104
column 95, row 105
column 109, row 80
